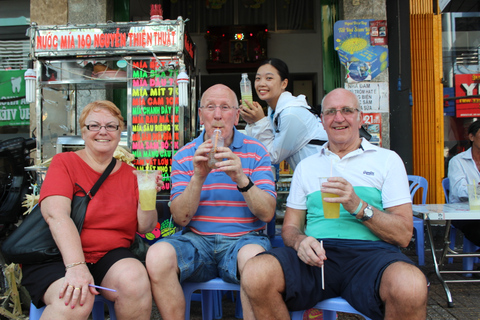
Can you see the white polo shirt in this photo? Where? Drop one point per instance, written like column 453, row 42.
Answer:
column 377, row 175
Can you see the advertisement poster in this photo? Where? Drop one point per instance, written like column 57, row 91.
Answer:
column 373, row 96
column 14, row 111
column 155, row 119
column 467, row 85
column 373, row 124
column 352, row 42
column 378, row 33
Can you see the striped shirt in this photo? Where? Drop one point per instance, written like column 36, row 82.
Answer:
column 222, row 208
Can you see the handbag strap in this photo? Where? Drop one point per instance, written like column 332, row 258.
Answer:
column 104, row 176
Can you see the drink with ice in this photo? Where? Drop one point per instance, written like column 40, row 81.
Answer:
column 474, row 196
column 217, row 141
column 147, row 188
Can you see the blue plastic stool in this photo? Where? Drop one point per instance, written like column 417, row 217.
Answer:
column 468, row 246
column 330, row 307
column 211, row 297
column 98, row 311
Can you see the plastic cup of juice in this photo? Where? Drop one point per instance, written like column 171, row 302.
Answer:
column 474, row 196
column 330, row 210
column 147, row 187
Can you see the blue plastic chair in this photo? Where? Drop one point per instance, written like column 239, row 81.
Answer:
column 212, row 290
column 468, row 246
column 330, row 307
column 98, row 311
column 209, row 297
column 417, row 182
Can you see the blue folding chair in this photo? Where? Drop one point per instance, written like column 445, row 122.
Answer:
column 468, row 246
column 417, row 182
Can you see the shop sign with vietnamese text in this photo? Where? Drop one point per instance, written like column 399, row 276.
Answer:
column 467, row 92
column 14, row 111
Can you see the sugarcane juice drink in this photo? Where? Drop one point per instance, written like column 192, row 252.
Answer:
column 147, row 189
column 474, row 196
column 330, row 210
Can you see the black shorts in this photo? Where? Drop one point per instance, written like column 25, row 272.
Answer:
column 353, row 270
column 38, row 277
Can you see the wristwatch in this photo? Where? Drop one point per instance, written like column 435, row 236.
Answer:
column 249, row 185
column 367, row 213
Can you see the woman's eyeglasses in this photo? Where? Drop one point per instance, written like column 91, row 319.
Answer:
column 96, row 127
column 345, row 111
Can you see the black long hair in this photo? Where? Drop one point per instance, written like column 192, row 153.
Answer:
column 473, row 128
column 278, row 64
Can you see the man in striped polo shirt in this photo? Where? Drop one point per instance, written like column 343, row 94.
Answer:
column 224, row 207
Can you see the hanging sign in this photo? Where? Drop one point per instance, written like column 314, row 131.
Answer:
column 468, row 86
column 14, row 110
column 352, row 42
column 373, row 125
column 155, row 121
column 378, row 33
column 373, row 96
column 115, row 38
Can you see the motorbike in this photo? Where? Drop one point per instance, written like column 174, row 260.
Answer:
column 15, row 182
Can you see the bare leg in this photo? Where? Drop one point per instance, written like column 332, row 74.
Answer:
column 163, row 271
column 245, row 254
column 56, row 308
column 262, row 285
column 132, row 299
column 404, row 292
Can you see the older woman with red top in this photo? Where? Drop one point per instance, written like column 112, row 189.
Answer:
column 100, row 255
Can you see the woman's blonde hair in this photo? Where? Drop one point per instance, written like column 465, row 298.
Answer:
column 101, row 105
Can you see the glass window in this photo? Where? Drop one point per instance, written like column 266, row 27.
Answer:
column 278, row 15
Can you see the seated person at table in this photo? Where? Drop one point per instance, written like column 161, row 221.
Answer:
column 360, row 253
column 224, row 208
column 100, row 255
column 463, row 169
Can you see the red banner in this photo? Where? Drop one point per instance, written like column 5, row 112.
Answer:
column 467, row 86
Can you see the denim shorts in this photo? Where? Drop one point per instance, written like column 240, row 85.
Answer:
column 201, row 258
column 353, row 270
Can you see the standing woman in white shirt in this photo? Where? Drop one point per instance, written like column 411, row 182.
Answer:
column 290, row 131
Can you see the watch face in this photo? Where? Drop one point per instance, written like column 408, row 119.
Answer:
column 367, row 213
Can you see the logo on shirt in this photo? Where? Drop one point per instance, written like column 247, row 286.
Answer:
column 368, row 173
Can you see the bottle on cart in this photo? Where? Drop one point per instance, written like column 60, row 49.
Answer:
column 246, row 89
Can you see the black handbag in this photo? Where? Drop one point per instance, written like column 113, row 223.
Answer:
column 32, row 241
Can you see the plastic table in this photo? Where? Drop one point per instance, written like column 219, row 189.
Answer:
column 447, row 212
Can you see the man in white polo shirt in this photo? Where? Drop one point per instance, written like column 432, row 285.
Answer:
column 360, row 253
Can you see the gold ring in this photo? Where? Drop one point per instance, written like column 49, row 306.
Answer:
column 78, row 288
column 71, row 286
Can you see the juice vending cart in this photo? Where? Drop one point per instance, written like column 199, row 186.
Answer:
column 146, row 68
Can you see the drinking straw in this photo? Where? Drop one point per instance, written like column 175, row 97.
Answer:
column 99, row 287
column 475, row 189
column 216, row 141
column 323, row 271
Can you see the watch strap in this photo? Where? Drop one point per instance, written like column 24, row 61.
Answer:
column 249, row 185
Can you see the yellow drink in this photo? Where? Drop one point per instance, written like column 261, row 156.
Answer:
column 330, row 210
column 148, row 199
column 247, row 97
column 474, row 196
